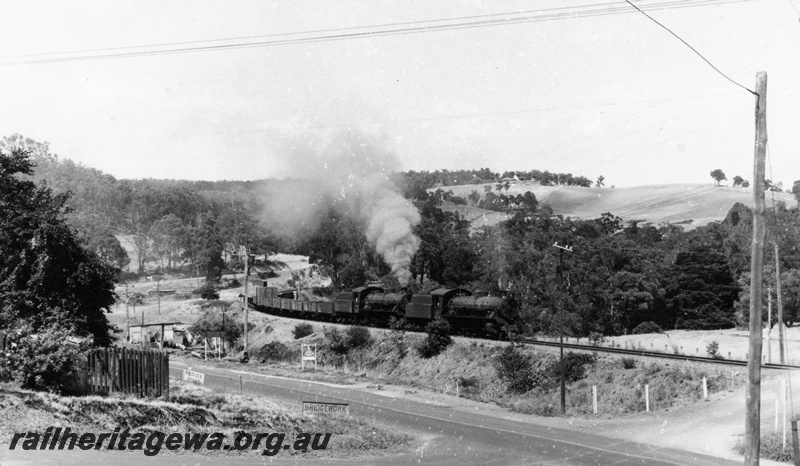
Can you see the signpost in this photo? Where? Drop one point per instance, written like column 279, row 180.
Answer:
column 308, row 353
column 195, row 377
column 210, row 336
column 314, row 407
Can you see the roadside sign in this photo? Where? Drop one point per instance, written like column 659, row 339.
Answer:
column 308, row 353
column 195, row 377
column 314, row 407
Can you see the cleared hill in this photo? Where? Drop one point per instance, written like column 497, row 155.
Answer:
column 692, row 205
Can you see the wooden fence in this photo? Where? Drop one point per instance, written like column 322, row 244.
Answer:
column 137, row 372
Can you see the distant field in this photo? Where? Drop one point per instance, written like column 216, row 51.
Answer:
column 692, row 205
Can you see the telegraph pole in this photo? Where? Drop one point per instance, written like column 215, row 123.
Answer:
column 244, row 299
column 779, row 302
column 753, row 399
column 158, row 292
column 769, row 324
column 561, row 250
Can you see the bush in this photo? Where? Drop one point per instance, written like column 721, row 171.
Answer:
column 647, row 327
column 628, row 363
column 337, row 341
column 397, row 334
column 211, row 321
column 574, row 366
column 596, row 338
column 516, row 370
column 342, row 342
column 40, row 361
column 358, row 337
column 437, row 340
column 713, row 350
column 208, row 291
column 302, row 330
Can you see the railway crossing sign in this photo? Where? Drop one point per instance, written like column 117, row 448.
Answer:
column 308, row 353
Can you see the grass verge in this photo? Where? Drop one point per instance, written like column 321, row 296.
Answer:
column 192, row 409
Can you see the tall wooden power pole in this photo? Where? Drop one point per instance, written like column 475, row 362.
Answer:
column 246, row 258
column 753, row 401
column 779, row 302
column 561, row 324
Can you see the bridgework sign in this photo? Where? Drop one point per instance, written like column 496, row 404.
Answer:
column 313, row 407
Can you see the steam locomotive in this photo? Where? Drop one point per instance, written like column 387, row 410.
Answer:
column 492, row 316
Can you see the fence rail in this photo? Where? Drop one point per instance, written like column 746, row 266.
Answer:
column 137, row 372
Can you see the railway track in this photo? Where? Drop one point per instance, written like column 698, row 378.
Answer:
column 654, row 354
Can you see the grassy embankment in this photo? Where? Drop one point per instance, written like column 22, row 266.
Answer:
column 191, row 409
column 469, row 366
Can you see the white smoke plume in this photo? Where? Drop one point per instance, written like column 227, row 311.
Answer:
column 355, row 168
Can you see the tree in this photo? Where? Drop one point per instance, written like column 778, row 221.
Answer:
column 718, row 176
column 796, row 190
column 210, row 247
column 143, row 248
column 48, row 279
column 737, row 181
column 166, row 235
column 599, row 183
column 701, row 290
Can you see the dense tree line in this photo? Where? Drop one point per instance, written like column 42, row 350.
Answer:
column 414, row 184
column 618, row 276
column 176, row 224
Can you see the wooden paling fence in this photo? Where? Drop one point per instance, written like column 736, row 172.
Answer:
column 137, row 372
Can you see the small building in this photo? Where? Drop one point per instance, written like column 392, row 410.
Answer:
column 162, row 333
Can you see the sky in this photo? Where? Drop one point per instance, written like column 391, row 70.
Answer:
column 153, row 89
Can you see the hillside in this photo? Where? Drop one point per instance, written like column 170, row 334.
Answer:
column 692, row 205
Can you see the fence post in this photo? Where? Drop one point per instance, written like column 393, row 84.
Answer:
column 594, row 399
column 777, row 413
column 647, row 398
column 705, row 389
column 240, row 384
column 795, row 443
column 166, row 375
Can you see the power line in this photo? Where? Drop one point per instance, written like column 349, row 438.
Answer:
column 388, row 29
column 692, row 48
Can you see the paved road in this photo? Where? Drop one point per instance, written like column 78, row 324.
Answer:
column 454, row 436
column 461, row 436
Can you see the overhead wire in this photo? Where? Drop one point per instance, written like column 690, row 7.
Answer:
column 692, row 48
column 326, row 35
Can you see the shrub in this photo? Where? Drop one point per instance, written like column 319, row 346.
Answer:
column 337, row 341
column 628, row 363
column 516, row 370
column 275, row 351
column 302, row 330
column 208, row 291
column 358, row 337
column 574, row 366
column 397, row 335
column 596, row 338
column 437, row 340
column 713, row 350
column 212, row 321
column 647, row 327
column 40, row 361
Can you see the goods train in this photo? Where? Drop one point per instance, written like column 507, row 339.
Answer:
column 484, row 315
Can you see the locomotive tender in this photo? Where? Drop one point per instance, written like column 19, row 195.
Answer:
column 489, row 315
